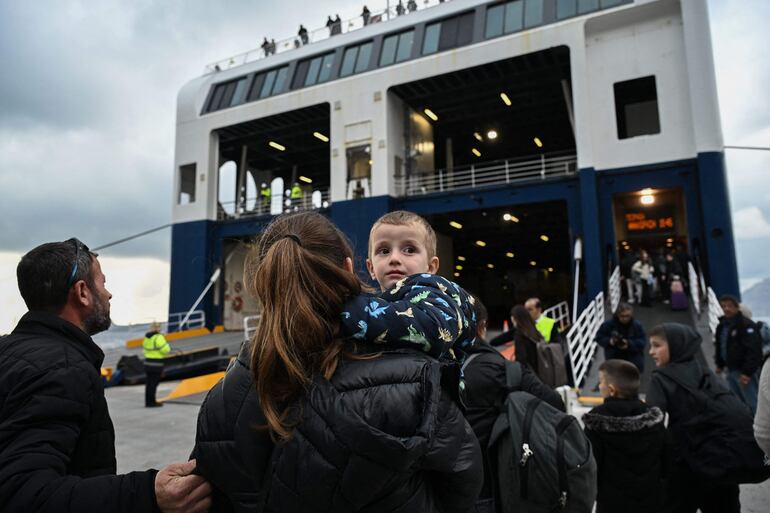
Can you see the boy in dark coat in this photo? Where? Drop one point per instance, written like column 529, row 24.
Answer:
column 629, row 443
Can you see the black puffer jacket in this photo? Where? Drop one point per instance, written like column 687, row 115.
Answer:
column 744, row 345
column 381, row 436
column 630, row 445
column 486, row 390
column 57, row 442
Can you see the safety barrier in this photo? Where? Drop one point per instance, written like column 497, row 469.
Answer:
column 559, row 313
column 313, row 36
column 255, row 206
column 250, row 323
column 714, row 310
column 581, row 338
column 196, row 320
column 488, row 173
column 614, row 289
column 694, row 287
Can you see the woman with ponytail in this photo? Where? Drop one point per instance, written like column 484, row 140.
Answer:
column 335, row 406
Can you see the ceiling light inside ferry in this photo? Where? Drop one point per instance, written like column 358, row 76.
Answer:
column 306, row 179
column 478, row 136
column 461, row 258
column 505, row 99
column 510, row 217
column 319, row 135
column 492, row 135
column 538, row 142
column 481, row 243
column 648, row 199
column 459, row 267
column 279, row 147
column 491, row 266
column 532, row 263
column 509, row 254
column 476, row 152
column 431, row 114
column 544, row 238
column 457, row 275
column 455, row 224
column 550, row 269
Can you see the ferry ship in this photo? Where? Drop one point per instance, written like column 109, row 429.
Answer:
column 542, row 139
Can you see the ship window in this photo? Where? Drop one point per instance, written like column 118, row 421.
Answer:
column 396, row 48
column 585, row 6
column 610, row 3
column 216, row 97
column 280, row 80
column 300, row 74
column 364, row 57
column 533, row 13
column 186, row 184
column 359, row 160
column 267, row 87
column 404, row 46
column 240, row 92
column 356, row 59
column 430, row 43
column 349, row 61
column 314, row 71
column 513, row 16
column 326, row 68
column 566, row 8
column 256, row 87
column 636, row 107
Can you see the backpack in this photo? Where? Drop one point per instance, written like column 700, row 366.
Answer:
column 764, row 335
column 540, row 459
column 550, row 364
column 717, row 440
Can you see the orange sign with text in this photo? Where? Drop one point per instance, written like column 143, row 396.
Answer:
column 639, row 222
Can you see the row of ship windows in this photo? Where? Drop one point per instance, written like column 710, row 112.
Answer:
column 503, row 18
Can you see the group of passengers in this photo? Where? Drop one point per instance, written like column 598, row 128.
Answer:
column 345, row 399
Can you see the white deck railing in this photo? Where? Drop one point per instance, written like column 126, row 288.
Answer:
column 614, row 289
column 250, row 323
column 255, row 206
column 197, row 320
column 313, row 36
column 488, row 173
column 559, row 313
column 714, row 310
column 581, row 338
column 694, row 287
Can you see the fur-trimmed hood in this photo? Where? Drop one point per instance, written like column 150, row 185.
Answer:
column 631, row 424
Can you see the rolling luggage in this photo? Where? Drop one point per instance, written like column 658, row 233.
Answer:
column 678, row 297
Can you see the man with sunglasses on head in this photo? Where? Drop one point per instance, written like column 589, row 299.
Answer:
column 57, row 441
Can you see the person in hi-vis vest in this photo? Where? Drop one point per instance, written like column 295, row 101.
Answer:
column 155, row 350
column 547, row 327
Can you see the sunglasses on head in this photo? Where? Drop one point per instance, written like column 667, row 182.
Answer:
column 79, row 247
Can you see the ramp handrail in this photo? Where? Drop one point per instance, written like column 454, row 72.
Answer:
column 488, row 173
column 614, row 289
column 559, row 313
column 694, row 287
column 250, row 323
column 581, row 338
column 197, row 319
column 714, row 310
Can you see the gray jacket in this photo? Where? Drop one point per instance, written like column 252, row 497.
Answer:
column 762, row 418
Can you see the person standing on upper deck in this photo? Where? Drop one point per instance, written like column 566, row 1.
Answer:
column 365, row 14
column 303, row 34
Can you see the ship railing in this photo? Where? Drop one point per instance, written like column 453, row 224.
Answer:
column 559, row 313
column 694, row 287
column 714, row 310
column 488, row 173
column 257, row 205
column 197, row 319
column 614, row 289
column 314, row 36
column 250, row 323
column 581, row 338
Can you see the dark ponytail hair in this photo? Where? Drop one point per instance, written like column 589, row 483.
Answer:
column 301, row 282
column 525, row 324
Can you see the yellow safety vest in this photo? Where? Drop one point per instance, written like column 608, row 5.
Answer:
column 155, row 347
column 296, row 192
column 545, row 326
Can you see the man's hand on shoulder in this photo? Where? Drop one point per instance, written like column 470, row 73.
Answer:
column 177, row 489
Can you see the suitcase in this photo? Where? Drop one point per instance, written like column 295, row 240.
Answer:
column 678, row 297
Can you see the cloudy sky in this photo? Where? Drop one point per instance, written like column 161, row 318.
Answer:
column 87, row 100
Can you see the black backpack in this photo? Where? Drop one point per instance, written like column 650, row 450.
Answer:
column 541, row 460
column 717, row 439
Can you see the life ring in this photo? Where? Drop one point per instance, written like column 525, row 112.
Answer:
column 237, row 304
